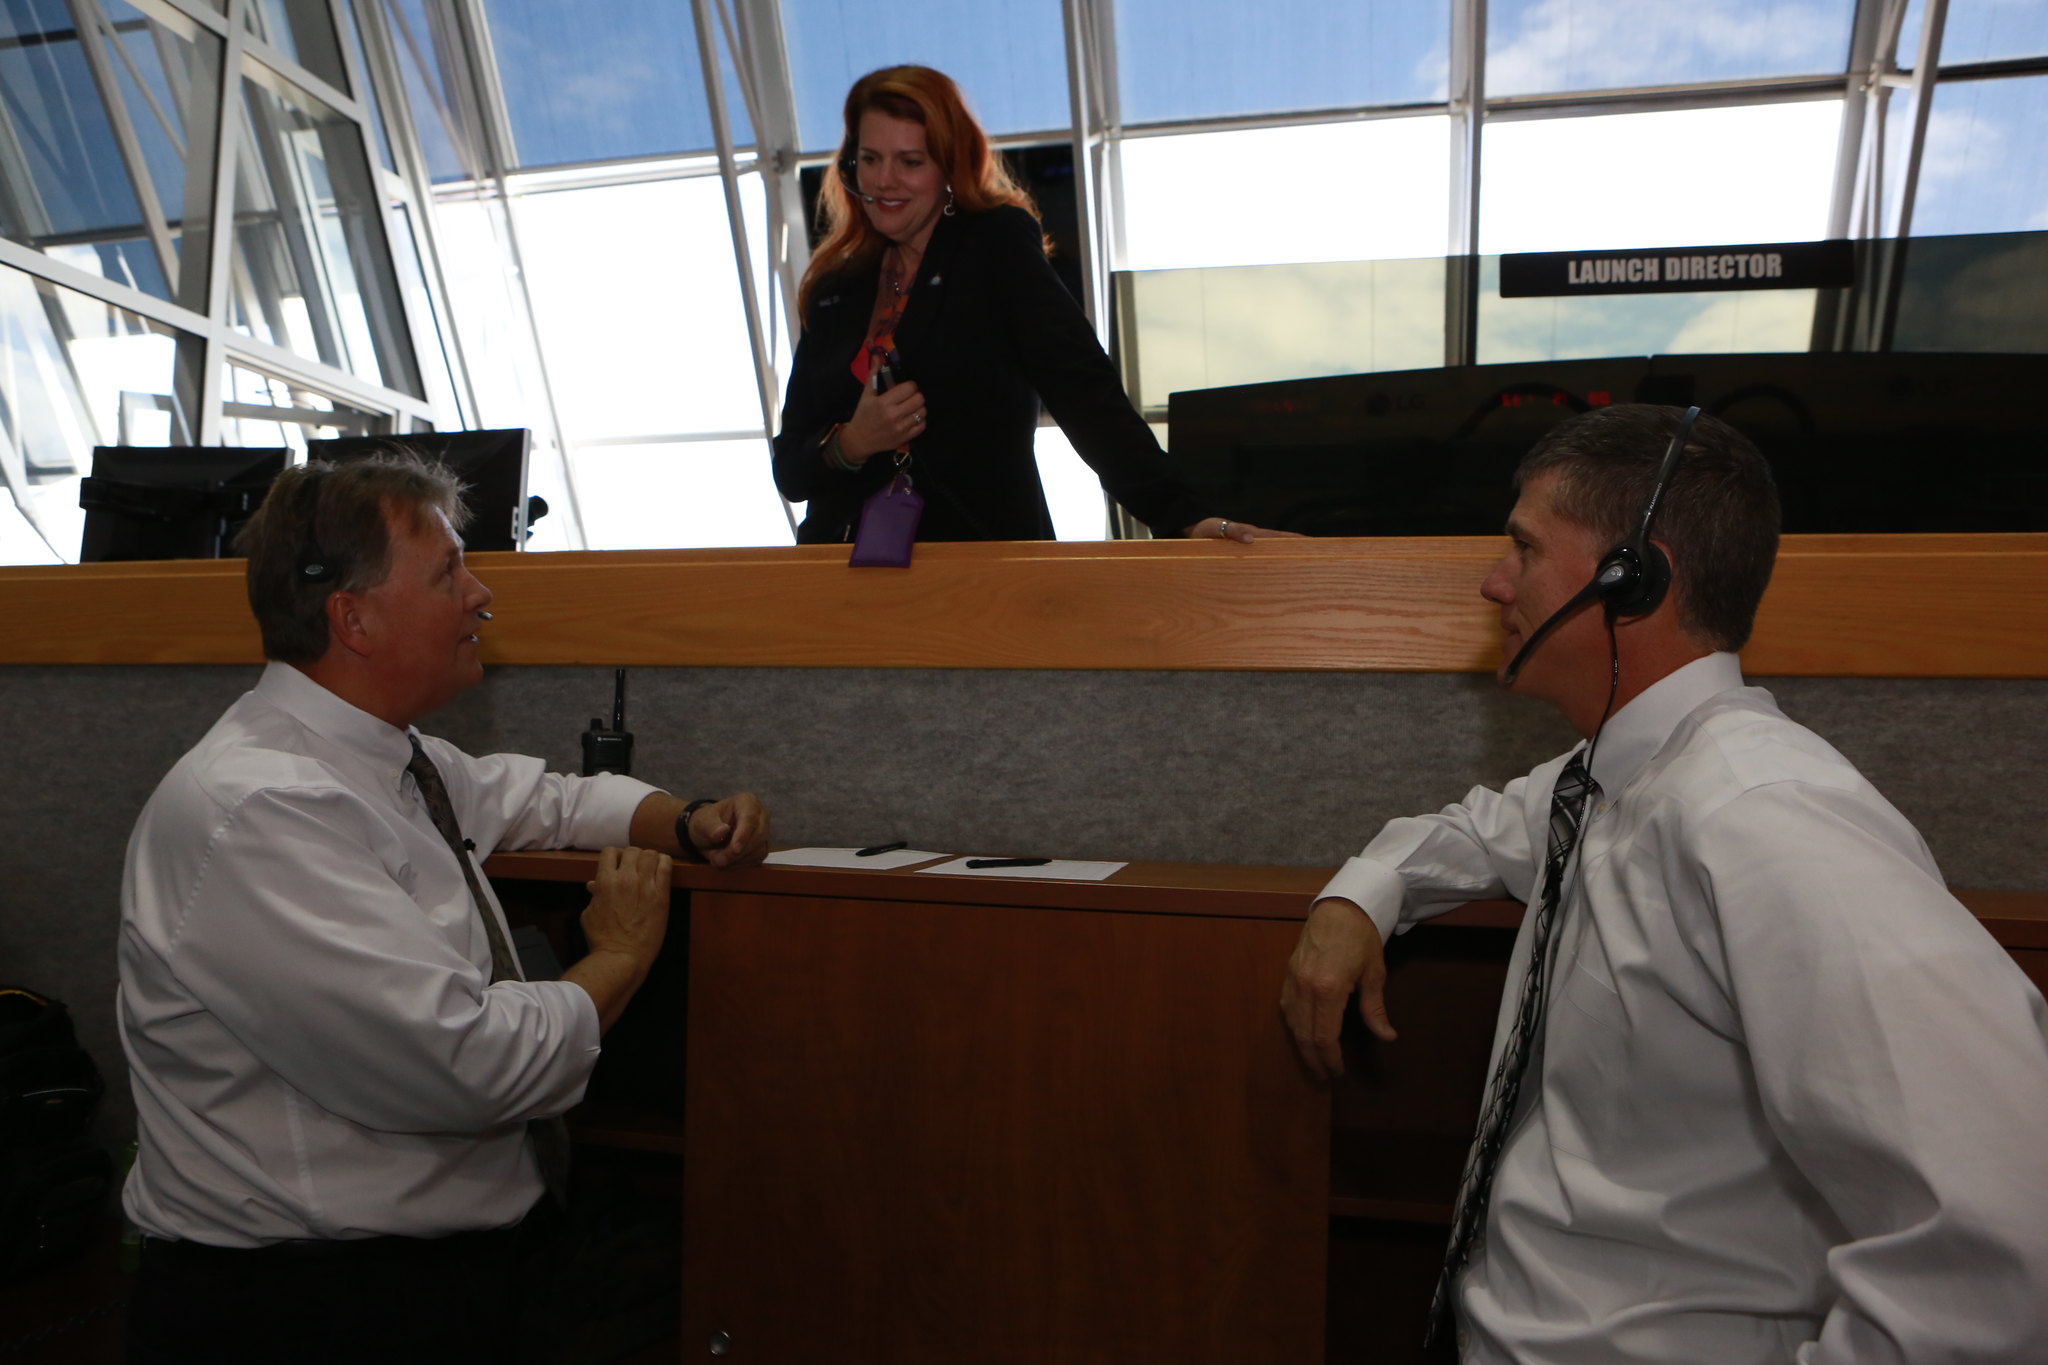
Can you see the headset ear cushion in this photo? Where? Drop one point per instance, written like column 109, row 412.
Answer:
column 1640, row 588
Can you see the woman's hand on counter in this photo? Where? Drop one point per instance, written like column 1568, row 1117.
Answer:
column 1222, row 528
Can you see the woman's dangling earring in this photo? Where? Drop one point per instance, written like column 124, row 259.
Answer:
column 948, row 210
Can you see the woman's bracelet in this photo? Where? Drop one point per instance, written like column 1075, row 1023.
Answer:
column 834, row 456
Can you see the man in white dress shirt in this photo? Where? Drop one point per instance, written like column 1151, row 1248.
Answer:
column 343, row 1106
column 1790, row 1101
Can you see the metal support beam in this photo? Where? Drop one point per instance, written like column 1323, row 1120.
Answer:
column 427, row 329
column 1862, row 120
column 763, row 61
column 1091, row 95
column 1883, row 271
column 1926, row 70
column 90, row 23
column 1096, row 108
column 1467, row 80
column 736, row 220
column 204, row 392
column 481, row 107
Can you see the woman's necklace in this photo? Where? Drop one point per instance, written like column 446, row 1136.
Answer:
column 900, row 269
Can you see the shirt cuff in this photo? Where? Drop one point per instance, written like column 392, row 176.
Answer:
column 1374, row 888
column 604, row 810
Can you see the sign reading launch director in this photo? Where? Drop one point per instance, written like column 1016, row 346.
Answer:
column 1678, row 270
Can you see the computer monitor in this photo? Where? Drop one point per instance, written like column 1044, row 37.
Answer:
column 172, row 502
column 492, row 463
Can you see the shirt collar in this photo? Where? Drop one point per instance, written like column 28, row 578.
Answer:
column 1634, row 734
column 350, row 728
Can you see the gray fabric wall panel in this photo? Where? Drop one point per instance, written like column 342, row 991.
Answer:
column 1240, row 767
column 86, row 746
column 1296, row 768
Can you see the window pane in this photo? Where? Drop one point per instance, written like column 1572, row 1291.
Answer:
column 1985, row 167
column 308, row 413
column 1693, row 177
column 1010, row 59
column 1544, row 46
column 106, row 143
column 1984, row 292
column 487, row 309
column 1073, row 493
column 1199, row 329
column 488, row 312
column 638, row 309
column 426, row 53
column 352, row 26
column 630, row 84
column 312, row 272
column 1179, row 59
column 74, row 373
column 1980, row 31
column 437, row 362
column 679, row 495
column 1319, row 192
column 304, row 31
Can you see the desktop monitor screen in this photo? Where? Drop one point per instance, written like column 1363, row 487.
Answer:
column 492, row 463
column 172, row 502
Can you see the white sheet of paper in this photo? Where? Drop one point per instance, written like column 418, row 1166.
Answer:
column 846, row 857
column 1059, row 869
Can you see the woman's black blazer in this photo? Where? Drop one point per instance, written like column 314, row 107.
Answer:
column 989, row 331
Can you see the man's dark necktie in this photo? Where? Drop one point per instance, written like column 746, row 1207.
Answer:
column 1568, row 800
column 550, row 1136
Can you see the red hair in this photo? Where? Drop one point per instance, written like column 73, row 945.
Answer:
column 976, row 175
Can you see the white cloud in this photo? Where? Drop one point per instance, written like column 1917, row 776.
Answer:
column 1609, row 44
column 1982, row 169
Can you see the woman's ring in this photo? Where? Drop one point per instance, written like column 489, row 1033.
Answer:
column 1223, row 530
column 917, row 417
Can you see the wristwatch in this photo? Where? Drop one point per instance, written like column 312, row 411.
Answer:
column 683, row 840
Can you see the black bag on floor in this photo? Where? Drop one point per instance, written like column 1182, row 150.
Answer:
column 53, row 1183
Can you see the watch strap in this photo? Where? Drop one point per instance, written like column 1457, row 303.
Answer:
column 683, row 840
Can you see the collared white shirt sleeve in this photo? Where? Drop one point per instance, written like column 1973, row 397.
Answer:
column 1418, row 867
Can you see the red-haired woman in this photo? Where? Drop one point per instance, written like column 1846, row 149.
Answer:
column 933, row 277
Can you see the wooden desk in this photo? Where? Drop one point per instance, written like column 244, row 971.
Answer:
column 946, row 1119
column 941, row 1119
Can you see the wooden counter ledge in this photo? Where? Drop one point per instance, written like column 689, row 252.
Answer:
column 1844, row 606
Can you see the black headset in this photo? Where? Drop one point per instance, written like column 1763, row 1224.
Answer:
column 315, row 564
column 1633, row 577
column 849, row 177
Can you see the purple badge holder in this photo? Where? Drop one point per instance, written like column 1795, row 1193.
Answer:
column 888, row 525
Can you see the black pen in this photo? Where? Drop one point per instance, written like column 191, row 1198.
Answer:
column 1007, row 862
column 881, row 848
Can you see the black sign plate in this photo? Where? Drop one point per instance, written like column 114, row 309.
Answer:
column 1678, row 270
